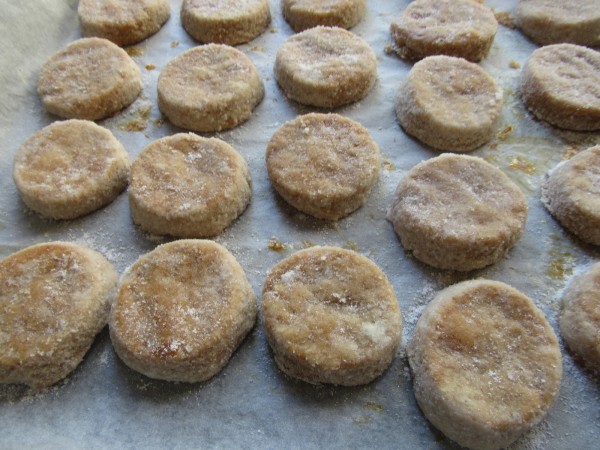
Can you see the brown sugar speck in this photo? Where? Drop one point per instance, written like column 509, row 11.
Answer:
column 150, row 67
column 504, row 132
column 522, row 164
column 561, row 265
column 389, row 166
column 257, row 48
column 514, row 64
column 174, row 44
column 134, row 51
column 505, row 18
column 159, row 122
column 276, row 245
column 374, row 406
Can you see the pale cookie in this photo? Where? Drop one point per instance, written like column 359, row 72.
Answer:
column 449, row 104
column 90, row 78
column 486, row 364
column 458, row 212
column 188, row 186
column 571, row 192
column 331, row 316
column 209, row 88
column 181, row 311
column 580, row 317
column 230, row 22
column 54, row 299
column 553, row 22
column 123, row 22
column 305, row 14
column 325, row 67
column 323, row 164
column 462, row 28
column 69, row 169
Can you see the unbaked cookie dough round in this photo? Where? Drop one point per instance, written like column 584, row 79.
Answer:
column 461, row 28
column 580, row 317
column 209, row 88
column 54, row 299
column 323, row 164
column 458, row 212
column 486, row 364
column 325, row 67
column 331, row 316
column 230, row 22
column 123, row 22
column 181, row 311
column 91, row 78
column 449, row 104
column 571, row 193
column 554, row 22
column 188, row 186
column 70, row 168
column 305, row 14
column 561, row 85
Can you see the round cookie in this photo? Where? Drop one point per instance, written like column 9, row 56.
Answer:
column 486, row 364
column 552, row 22
column 123, row 22
column 305, row 14
column 181, row 311
column 571, row 193
column 209, row 88
column 188, row 186
column 70, row 168
column 461, row 28
column 458, row 212
column 331, row 316
column 54, row 299
column 449, row 104
column 230, row 22
column 561, row 85
column 90, row 78
column 323, row 164
column 580, row 317
column 325, row 67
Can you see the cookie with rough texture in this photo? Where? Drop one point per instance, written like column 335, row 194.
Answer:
column 325, row 67
column 70, row 168
column 486, row 364
column 580, row 317
column 331, row 316
column 181, row 311
column 458, row 212
column 209, row 88
column 561, row 85
column 462, row 28
column 323, row 164
column 230, row 22
column 305, row 14
column 91, row 78
column 123, row 22
column 571, row 193
column 554, row 22
column 188, row 186
column 449, row 104
column 54, row 299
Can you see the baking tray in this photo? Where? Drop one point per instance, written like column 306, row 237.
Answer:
column 250, row 404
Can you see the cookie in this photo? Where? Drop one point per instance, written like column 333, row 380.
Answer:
column 91, row 78
column 70, row 168
column 571, row 193
column 305, row 14
column 580, row 317
column 552, row 22
column 331, row 316
column 461, row 28
column 181, row 311
column 458, row 212
column 188, row 186
column 230, row 22
column 54, row 299
column 323, row 164
column 325, row 67
column 121, row 21
column 486, row 364
column 449, row 104
column 561, row 85
column 209, row 88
